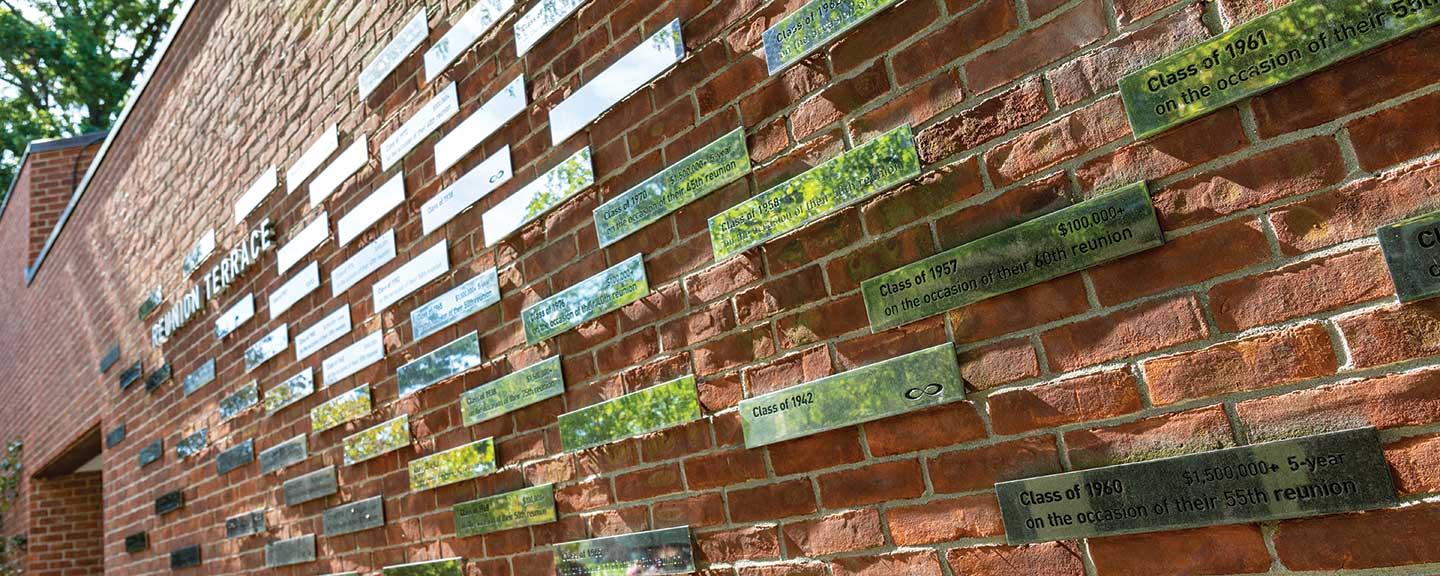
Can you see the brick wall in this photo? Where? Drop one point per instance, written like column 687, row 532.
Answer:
column 53, row 175
column 1268, row 314
column 66, row 537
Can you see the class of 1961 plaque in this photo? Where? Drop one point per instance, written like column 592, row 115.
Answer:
column 660, row 406
column 1311, row 476
column 525, row 507
column 1412, row 252
column 666, row 551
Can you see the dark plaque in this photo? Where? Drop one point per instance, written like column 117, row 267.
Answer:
column 131, row 375
column 665, row 551
column 1412, row 251
column 137, row 542
column 185, row 558
column 190, row 445
column 291, row 451
column 317, row 484
column 169, row 502
column 158, row 377
column 245, row 524
column 110, row 359
column 289, row 552
column 115, row 436
column 240, row 455
column 363, row 515
column 1311, row 476
column 151, row 453
column 232, row 405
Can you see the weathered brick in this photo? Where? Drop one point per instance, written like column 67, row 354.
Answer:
column 849, row 531
column 1051, row 558
column 944, row 520
column 1123, row 333
column 1214, row 550
column 1156, row 437
column 1390, row 401
column 1300, row 289
column 1079, row 399
column 980, row 468
column 1270, row 359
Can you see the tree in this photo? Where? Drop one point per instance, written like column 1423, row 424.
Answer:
column 67, row 66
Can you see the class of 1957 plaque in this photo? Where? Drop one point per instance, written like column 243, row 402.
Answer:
column 1412, row 252
column 525, row 507
column 536, row 382
column 660, row 406
column 593, row 297
column 666, row 551
column 1311, row 476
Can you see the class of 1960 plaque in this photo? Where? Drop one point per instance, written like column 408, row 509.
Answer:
column 666, row 551
column 525, row 507
column 1412, row 252
column 1311, row 476
column 536, row 382
column 593, row 297
column 660, row 406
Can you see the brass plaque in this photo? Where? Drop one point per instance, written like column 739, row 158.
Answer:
column 472, row 460
column 657, row 407
column 526, row 507
column 382, row 439
column 185, row 557
column 169, row 502
column 534, row 383
column 312, row 486
column 287, row 453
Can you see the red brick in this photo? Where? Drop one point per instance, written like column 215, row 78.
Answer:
column 981, row 468
column 961, row 36
column 695, row 511
column 698, row 326
column 1157, row 437
column 910, row 563
column 772, row 501
column 736, row 544
column 881, row 482
column 1195, row 143
column 1390, row 334
column 1415, row 464
column 878, row 257
column 1394, row 537
column 779, row 295
column 731, row 351
column 1390, row 401
column 945, row 520
column 1073, row 134
column 724, row 468
column 1226, row 248
column 872, row 348
column 838, row 100
column 1275, row 174
column 1013, row 207
column 1263, row 360
column 1025, row 308
column 1079, row 399
column 816, row 451
column 914, row 106
column 999, row 364
column 934, row 191
column 1124, row 333
column 1100, row 70
column 1389, row 137
column 1309, row 287
column 828, row 320
column 1016, row 107
column 1214, row 550
column 795, row 368
column 849, row 531
column 935, row 427
column 723, row 278
column 1043, row 45
column 1051, row 559
column 1356, row 209
column 796, row 568
column 813, row 241
column 879, row 35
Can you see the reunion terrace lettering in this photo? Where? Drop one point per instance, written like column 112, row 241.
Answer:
column 707, row 170
column 655, row 552
column 813, row 25
column 1311, row 476
column 1087, row 234
column 526, row 507
column 214, row 283
column 657, row 407
column 874, row 167
column 534, row 383
column 1287, row 43
column 607, row 291
column 472, row 460
column 1412, row 252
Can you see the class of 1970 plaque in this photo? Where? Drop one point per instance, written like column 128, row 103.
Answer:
column 666, row 551
column 657, row 407
column 1412, row 252
column 1322, row 474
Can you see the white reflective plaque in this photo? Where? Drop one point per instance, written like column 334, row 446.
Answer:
column 345, row 165
column 494, row 172
column 433, row 263
column 468, row 298
column 203, row 375
column 201, row 251
column 235, row 316
column 540, row 20
column 404, row 42
column 536, row 198
column 305, row 282
column 313, row 157
column 370, row 210
column 304, row 242
column 363, row 263
column 465, row 32
column 354, row 358
column 628, row 74
column 506, row 105
column 256, row 194
column 435, row 112
column 267, row 347
column 319, row 334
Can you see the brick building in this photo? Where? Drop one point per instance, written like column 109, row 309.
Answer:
column 1268, row 313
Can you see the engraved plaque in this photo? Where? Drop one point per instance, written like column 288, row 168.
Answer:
column 1311, row 476
column 304, row 242
column 290, row 391
column 472, row 460
column 191, row 445
column 665, row 551
column 442, row 107
column 593, row 297
column 462, row 34
column 322, row 333
column 341, row 409
column 267, row 347
column 137, row 542
column 1087, row 234
column 446, row 361
column 246, row 524
column 312, row 486
column 366, row 514
column 363, row 263
column 1412, row 252
column 203, row 375
column 199, row 253
column 304, row 282
column 915, row 381
column 131, row 375
column 152, row 452
column 657, row 407
column 151, row 302
column 354, row 358
column 115, row 436
column 526, row 507
column 631, row 72
column 312, row 158
column 290, row 552
column 479, row 182
column 557, row 185
column 237, row 315
column 287, row 453
column 425, row 267
column 371, row 210
column 185, row 558
column 450, row 567
column 537, row 382
column 404, row 42
column 160, row 376
column 256, row 194
column 383, row 439
column 883, row 163
column 812, row 26
column 470, row 297
column 234, row 404
column 345, row 165
column 542, row 18
column 707, row 170
column 1287, row 43
column 500, row 109
column 242, row 454
column 110, row 358
column 169, row 502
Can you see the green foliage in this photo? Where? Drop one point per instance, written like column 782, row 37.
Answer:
column 12, row 548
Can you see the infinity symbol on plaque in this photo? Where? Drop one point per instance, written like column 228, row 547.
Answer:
column 932, row 389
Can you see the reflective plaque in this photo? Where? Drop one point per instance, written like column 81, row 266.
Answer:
column 322, row 333
column 187, row 557
column 1087, row 234
column 526, row 507
column 444, row 362
column 234, row 404
column 472, row 460
column 657, row 407
column 287, row 453
column 546, row 192
column 131, row 375
column 665, row 551
column 812, row 26
column 190, row 445
column 878, row 165
column 246, row 524
column 115, row 436
column 312, row 158
column 461, row 301
column 404, row 42
column 169, row 502
column 1287, row 43
column 371, row 210
column 237, row 315
column 424, row 268
column 366, row 514
column 150, row 303
column 303, row 243
column 304, row 282
column 341, row 409
column 363, row 263
column 284, row 394
column 354, row 358
column 501, row 108
column 137, row 542
column 290, row 552
column 593, row 297
column 543, row 17
column 514, row 391
column 242, row 454
column 312, row 486
column 450, row 567
column 198, row 378
column 707, row 170
column 110, row 358
column 1412, row 252
column 1311, row 476
column 631, row 72
column 152, row 452
column 903, row 384
column 341, row 169
column 383, row 439
column 160, row 376
column 253, row 196
column 442, row 107
column 199, row 253
column 469, row 28
column 267, row 347
column 470, row 188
